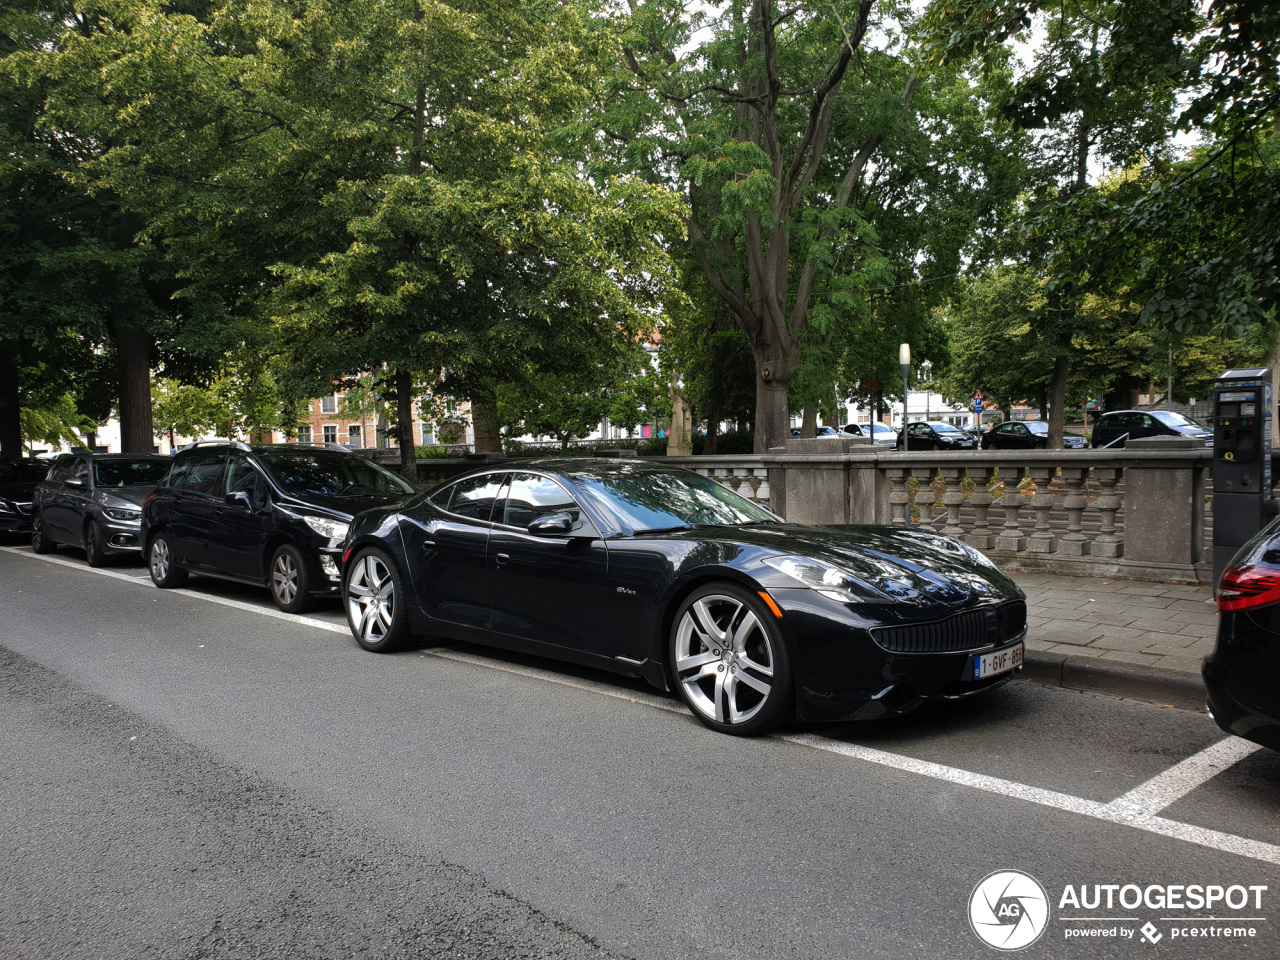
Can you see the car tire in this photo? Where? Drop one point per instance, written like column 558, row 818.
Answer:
column 729, row 661
column 93, row 545
column 165, row 573
column 289, row 580
column 40, row 542
column 373, row 595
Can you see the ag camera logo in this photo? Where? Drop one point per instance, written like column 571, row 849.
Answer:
column 1008, row 910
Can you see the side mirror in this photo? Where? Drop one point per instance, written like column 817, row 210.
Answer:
column 239, row 497
column 552, row 525
column 77, row 483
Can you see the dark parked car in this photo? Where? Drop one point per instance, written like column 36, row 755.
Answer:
column 1242, row 675
column 660, row 573
column 1114, row 429
column 1027, row 435
column 936, row 435
column 18, row 479
column 271, row 514
column 94, row 501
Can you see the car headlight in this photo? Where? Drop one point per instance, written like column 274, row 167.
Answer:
column 5, row 508
column 333, row 529
column 117, row 513
column 831, row 582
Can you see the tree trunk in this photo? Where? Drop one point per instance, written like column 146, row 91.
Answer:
column 133, row 371
column 809, row 423
column 404, row 425
column 10, row 421
column 773, row 421
column 1058, row 401
column 484, row 421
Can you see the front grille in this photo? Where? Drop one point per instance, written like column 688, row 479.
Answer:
column 973, row 630
column 24, row 509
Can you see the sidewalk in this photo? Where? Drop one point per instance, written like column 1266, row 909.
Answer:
column 1123, row 637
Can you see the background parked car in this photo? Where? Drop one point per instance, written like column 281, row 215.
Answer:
column 18, row 479
column 94, row 501
column 270, row 514
column 936, row 435
column 1242, row 675
column 1114, row 429
column 831, row 432
column 879, row 433
column 1027, row 435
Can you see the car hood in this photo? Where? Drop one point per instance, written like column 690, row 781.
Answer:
column 20, row 491
column 346, row 507
column 134, row 496
column 916, row 567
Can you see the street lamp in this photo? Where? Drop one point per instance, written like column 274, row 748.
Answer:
column 904, row 361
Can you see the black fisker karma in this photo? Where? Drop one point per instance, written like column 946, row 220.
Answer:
column 660, row 573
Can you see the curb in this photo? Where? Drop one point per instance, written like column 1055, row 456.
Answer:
column 1133, row 682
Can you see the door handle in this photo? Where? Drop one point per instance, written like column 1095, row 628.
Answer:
column 503, row 558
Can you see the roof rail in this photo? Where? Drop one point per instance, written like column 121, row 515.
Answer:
column 218, row 442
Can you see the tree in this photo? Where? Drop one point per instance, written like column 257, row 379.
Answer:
column 785, row 127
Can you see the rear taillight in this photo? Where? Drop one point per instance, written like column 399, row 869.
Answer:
column 150, row 497
column 1243, row 588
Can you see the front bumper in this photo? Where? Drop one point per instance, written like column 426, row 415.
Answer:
column 15, row 517
column 843, row 674
column 121, row 536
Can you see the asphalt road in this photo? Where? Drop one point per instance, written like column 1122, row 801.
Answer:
column 192, row 774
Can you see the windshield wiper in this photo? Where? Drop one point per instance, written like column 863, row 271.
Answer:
column 678, row 526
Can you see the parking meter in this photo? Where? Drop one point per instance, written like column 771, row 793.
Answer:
column 1242, row 501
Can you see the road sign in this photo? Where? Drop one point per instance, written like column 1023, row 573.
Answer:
column 977, row 404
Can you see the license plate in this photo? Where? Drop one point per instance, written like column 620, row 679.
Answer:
column 990, row 664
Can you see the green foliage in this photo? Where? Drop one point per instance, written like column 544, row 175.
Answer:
column 54, row 423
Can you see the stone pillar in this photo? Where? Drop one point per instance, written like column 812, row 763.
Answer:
column 1011, row 539
column 925, row 497
column 1107, row 543
column 1074, row 543
column 952, row 499
column 981, row 536
column 899, row 498
column 1042, row 540
column 1164, row 504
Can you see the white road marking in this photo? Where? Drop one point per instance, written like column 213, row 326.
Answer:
column 1136, row 809
column 1175, row 783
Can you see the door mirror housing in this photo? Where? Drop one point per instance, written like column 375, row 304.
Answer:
column 239, row 497
column 552, row 525
column 77, row 483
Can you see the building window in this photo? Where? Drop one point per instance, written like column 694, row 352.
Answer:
column 428, row 435
column 330, row 433
column 329, row 404
column 354, row 435
column 304, row 433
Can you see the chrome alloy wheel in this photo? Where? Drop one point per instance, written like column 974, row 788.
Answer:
column 284, row 578
column 371, row 598
column 724, row 659
column 159, row 559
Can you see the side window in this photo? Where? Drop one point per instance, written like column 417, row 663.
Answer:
column 441, row 497
column 1007, row 429
column 1020, row 430
column 204, row 473
column 177, row 478
column 67, row 470
column 80, row 470
column 241, row 477
column 474, row 497
column 1148, row 421
column 530, row 497
column 920, row 430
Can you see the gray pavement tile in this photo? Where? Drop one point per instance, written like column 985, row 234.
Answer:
column 1126, row 656
column 1127, row 644
column 1184, row 664
column 1192, row 606
column 1208, row 615
column 1111, row 619
column 1201, row 648
column 1107, row 631
column 1042, row 646
column 1169, row 641
column 1138, row 600
column 1190, row 593
column 1199, row 630
column 1154, row 623
column 1093, row 653
column 1145, row 589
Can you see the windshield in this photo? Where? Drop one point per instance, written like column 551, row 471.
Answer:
column 331, row 474
column 128, row 473
column 658, row 500
column 944, row 428
column 1038, row 427
column 20, row 471
column 1171, row 419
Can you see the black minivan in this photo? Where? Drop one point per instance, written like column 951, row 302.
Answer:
column 1114, row 429
column 272, row 514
